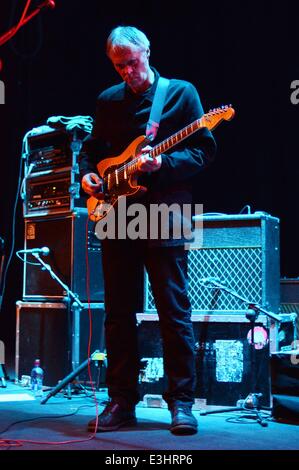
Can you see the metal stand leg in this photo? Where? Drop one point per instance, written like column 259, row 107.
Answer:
column 3, row 376
column 251, row 406
column 96, row 356
column 251, row 403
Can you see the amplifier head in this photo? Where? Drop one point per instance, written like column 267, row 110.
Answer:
column 48, row 149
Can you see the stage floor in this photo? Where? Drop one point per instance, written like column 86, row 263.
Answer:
column 60, row 424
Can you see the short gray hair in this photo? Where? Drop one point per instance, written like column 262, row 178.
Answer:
column 123, row 37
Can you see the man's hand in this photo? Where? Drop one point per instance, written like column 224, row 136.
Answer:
column 147, row 163
column 92, row 184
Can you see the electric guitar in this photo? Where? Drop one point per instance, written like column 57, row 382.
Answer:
column 119, row 174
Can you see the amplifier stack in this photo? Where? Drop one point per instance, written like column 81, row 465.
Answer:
column 241, row 251
column 55, row 216
column 51, row 172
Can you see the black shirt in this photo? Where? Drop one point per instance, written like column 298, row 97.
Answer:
column 122, row 115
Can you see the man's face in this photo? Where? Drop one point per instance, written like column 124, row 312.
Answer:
column 133, row 67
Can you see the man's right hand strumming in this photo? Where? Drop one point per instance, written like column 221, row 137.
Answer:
column 92, row 184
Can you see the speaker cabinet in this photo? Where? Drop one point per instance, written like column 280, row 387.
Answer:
column 285, row 386
column 42, row 332
column 289, row 298
column 224, row 369
column 242, row 251
column 66, row 237
column 57, row 336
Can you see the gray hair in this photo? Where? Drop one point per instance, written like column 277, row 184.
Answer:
column 123, row 37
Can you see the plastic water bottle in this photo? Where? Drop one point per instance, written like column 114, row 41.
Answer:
column 37, row 376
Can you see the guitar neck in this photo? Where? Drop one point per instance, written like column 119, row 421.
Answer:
column 131, row 167
column 176, row 138
column 209, row 120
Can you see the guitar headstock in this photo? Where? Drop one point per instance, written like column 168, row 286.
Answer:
column 216, row 115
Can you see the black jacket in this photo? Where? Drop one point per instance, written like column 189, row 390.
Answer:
column 121, row 116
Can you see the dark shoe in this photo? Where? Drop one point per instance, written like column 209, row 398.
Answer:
column 113, row 417
column 183, row 421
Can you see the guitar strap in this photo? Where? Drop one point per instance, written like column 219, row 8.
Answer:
column 157, row 107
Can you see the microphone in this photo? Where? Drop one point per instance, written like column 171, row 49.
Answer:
column 44, row 250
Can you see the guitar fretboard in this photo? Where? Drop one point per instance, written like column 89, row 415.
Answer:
column 123, row 172
column 209, row 120
column 176, row 138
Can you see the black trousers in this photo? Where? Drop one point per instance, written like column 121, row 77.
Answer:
column 123, row 266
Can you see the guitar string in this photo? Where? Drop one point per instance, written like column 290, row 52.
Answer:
column 189, row 131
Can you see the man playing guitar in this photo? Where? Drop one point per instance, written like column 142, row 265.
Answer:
column 121, row 116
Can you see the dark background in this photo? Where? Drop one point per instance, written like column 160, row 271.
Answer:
column 244, row 53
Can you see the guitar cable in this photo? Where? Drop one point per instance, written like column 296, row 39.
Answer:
column 90, row 324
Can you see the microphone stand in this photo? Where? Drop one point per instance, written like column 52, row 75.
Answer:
column 251, row 403
column 70, row 293
column 95, row 356
column 75, row 306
